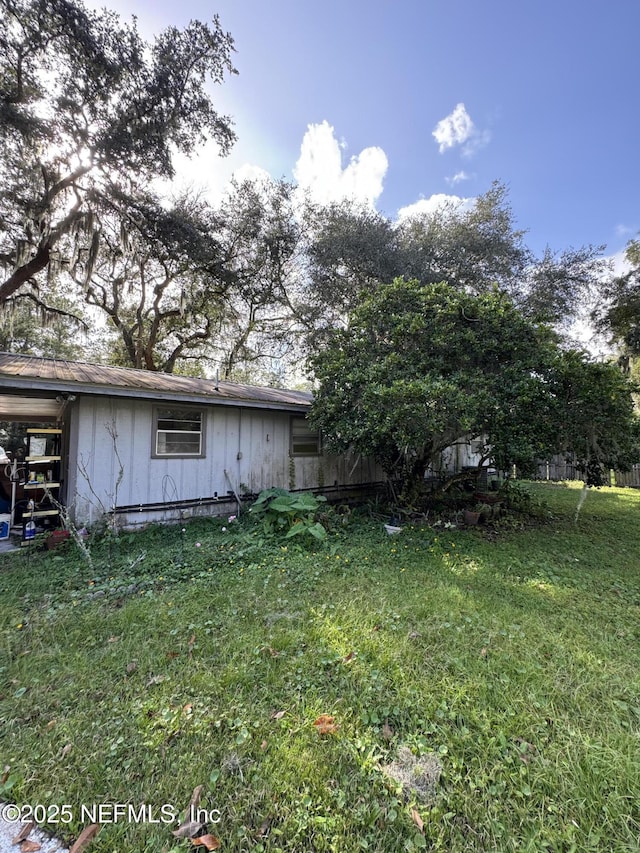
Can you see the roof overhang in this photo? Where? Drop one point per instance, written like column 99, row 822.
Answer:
column 30, row 385
column 16, row 407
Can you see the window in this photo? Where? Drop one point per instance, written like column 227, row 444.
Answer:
column 178, row 432
column 305, row 441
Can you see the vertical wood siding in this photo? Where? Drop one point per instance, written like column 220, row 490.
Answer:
column 251, row 446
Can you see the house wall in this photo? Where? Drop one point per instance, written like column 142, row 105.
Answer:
column 463, row 454
column 246, row 450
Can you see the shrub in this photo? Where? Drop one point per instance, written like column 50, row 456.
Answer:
column 290, row 515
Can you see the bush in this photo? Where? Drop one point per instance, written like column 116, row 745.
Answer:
column 289, row 516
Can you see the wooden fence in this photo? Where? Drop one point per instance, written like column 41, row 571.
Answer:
column 558, row 468
column 564, row 468
column 629, row 478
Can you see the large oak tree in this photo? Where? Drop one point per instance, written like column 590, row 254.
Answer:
column 89, row 111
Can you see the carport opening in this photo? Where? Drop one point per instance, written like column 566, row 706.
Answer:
column 32, row 467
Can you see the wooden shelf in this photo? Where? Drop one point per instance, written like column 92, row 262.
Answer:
column 45, row 485
column 40, row 507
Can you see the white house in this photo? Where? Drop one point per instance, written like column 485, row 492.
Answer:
column 157, row 447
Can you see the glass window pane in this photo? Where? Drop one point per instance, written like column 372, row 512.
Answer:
column 305, row 441
column 178, row 432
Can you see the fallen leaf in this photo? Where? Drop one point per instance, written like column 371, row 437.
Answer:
column 172, row 655
column 87, row 835
column 113, row 639
column 155, row 679
column 29, row 846
column 263, row 745
column 66, row 749
column 415, row 816
column 188, row 708
column 277, row 715
column 326, row 725
column 376, row 628
column 192, row 643
column 483, row 652
column 131, row 667
column 348, row 658
column 208, row 841
column 5, row 774
column 194, row 802
column 189, row 829
column 387, row 731
column 51, row 724
column 24, row 832
column 264, row 828
column 413, row 635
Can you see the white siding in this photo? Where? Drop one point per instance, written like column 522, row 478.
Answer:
column 245, row 450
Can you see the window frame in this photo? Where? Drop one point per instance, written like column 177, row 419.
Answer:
column 312, row 432
column 158, row 412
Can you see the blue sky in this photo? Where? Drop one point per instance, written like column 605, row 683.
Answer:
column 400, row 101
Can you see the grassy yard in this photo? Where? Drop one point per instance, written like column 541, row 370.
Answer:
column 505, row 666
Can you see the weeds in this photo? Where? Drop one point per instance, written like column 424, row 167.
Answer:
column 286, row 515
column 505, row 674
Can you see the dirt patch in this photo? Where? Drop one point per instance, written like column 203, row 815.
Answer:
column 418, row 775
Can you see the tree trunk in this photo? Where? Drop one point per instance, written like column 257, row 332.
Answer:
column 24, row 273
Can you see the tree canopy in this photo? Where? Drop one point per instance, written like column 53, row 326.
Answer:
column 91, row 116
column 90, row 113
column 619, row 313
column 421, row 367
column 474, row 247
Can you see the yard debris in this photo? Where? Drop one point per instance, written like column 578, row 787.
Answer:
column 208, row 841
column 24, row 832
column 263, row 831
column 326, row 725
column 86, row 836
column 415, row 817
column 190, row 829
column 418, row 775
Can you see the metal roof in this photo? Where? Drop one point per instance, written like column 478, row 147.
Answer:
column 27, row 373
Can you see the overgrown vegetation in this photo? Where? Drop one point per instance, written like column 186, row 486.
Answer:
column 302, row 685
column 421, row 368
column 289, row 515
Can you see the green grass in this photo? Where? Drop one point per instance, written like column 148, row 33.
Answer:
column 514, row 658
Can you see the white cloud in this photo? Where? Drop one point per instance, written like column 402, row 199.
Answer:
column 455, row 129
column 625, row 231
column 619, row 263
column 458, row 177
column 428, row 206
column 458, row 129
column 477, row 140
column 319, row 168
column 249, row 172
